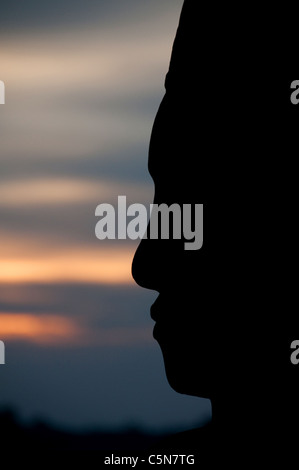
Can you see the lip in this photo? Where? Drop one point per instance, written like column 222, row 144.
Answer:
column 155, row 315
column 154, row 310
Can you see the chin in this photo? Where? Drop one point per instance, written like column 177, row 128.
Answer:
column 186, row 379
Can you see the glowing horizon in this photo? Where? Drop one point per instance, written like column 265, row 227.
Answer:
column 51, row 330
column 84, row 266
column 45, row 329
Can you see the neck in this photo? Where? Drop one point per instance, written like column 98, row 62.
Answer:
column 237, row 411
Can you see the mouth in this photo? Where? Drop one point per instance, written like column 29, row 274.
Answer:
column 155, row 332
column 155, row 311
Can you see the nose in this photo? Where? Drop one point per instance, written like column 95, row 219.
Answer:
column 156, row 263
column 144, row 266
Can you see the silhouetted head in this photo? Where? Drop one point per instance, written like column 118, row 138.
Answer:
column 215, row 319
column 183, row 311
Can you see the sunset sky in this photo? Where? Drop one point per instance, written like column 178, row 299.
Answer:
column 83, row 83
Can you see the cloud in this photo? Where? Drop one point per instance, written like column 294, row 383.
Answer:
column 78, row 264
column 81, row 103
column 48, row 191
column 81, row 96
column 98, row 305
column 43, row 330
column 51, row 330
column 34, row 15
column 65, row 191
column 42, row 214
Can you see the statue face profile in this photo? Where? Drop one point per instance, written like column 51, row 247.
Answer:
column 179, row 148
column 184, row 326
column 192, row 314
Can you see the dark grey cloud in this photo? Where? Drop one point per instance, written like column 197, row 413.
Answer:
column 102, row 306
column 36, row 15
column 129, row 166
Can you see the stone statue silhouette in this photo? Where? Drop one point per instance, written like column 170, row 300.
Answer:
column 223, row 316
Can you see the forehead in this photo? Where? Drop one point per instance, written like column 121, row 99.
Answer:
column 178, row 154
